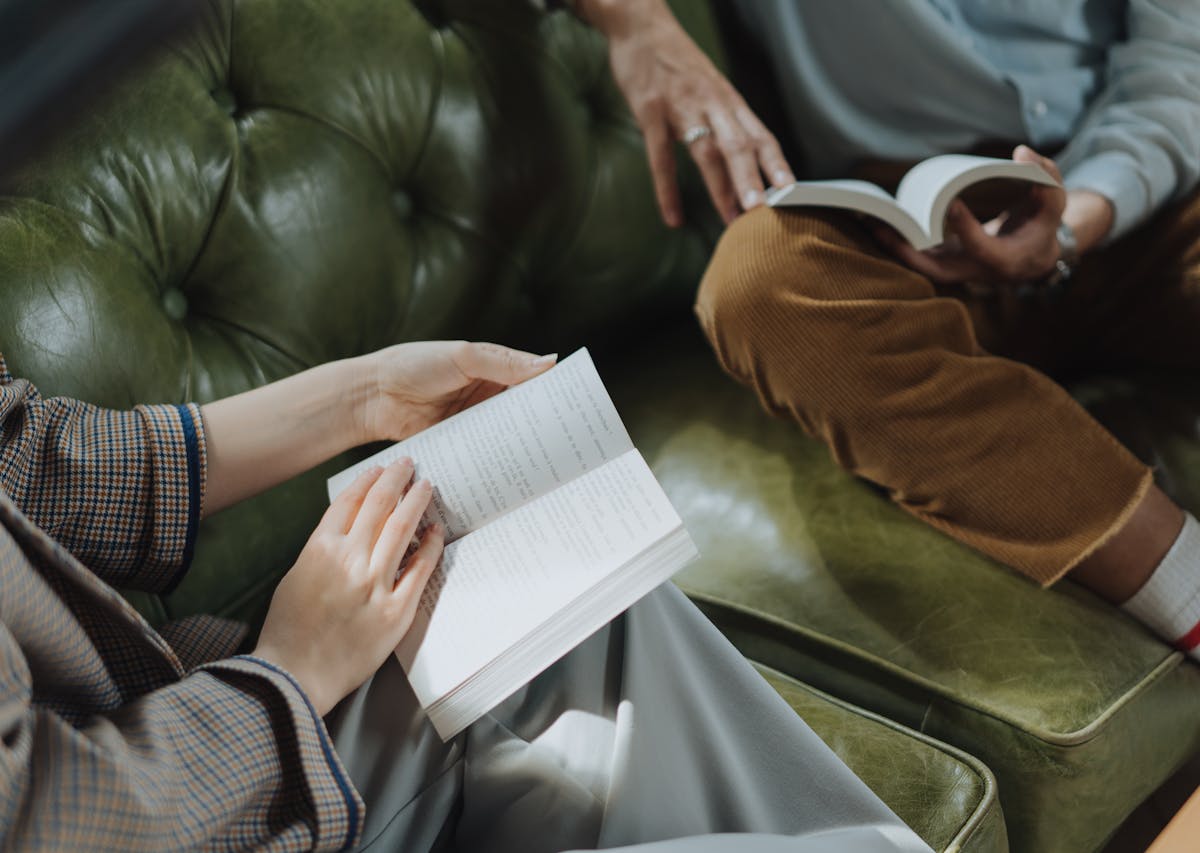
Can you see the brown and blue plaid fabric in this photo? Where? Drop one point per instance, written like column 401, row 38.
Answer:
column 107, row 740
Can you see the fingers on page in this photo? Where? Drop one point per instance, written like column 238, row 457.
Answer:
column 342, row 511
column 974, row 239
column 380, row 503
column 1025, row 154
column 770, row 156
column 414, row 572
column 739, row 147
column 400, row 526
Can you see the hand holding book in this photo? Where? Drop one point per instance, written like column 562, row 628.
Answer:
column 554, row 526
column 930, row 229
column 1018, row 245
column 415, row 385
column 344, row 592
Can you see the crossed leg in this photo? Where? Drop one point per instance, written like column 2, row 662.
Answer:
column 940, row 399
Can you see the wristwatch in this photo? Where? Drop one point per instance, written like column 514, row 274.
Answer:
column 1068, row 258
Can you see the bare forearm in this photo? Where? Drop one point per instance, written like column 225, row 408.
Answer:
column 268, row 435
column 616, row 18
column 1090, row 216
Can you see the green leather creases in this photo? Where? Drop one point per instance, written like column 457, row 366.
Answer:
column 301, row 180
column 945, row 795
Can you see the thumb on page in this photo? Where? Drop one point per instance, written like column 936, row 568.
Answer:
column 1025, row 154
column 502, row 365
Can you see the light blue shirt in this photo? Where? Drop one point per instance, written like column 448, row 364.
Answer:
column 1115, row 81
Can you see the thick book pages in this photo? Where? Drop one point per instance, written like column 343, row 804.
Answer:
column 918, row 210
column 555, row 525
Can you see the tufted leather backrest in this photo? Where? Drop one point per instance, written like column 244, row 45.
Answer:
column 303, row 180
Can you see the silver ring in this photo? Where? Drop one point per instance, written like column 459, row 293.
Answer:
column 695, row 133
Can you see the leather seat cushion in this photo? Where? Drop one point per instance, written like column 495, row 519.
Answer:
column 948, row 797
column 1078, row 710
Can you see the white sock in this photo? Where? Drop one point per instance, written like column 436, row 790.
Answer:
column 1169, row 603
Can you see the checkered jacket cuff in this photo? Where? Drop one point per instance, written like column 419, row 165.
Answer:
column 122, row 491
column 337, row 807
column 178, row 467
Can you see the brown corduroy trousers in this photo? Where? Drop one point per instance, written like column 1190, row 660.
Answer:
column 939, row 395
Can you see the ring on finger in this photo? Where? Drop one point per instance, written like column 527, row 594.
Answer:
column 695, row 133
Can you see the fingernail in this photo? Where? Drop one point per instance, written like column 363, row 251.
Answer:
column 750, row 199
column 543, row 360
column 403, row 462
column 780, row 178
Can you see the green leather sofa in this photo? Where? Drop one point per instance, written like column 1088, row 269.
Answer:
column 307, row 179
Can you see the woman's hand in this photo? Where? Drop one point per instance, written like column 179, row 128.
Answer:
column 351, row 596
column 672, row 88
column 1019, row 245
column 270, row 434
column 416, row 385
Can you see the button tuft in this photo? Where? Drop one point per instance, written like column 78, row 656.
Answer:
column 174, row 303
column 225, row 100
column 402, row 202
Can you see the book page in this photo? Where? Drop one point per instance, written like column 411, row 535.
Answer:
column 498, row 584
column 506, row 451
column 857, row 196
column 927, row 189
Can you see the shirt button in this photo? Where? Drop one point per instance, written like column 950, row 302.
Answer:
column 1039, row 109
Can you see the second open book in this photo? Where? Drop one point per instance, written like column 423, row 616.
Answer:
column 554, row 526
column 918, row 210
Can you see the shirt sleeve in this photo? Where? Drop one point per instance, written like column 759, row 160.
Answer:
column 1139, row 142
column 122, row 491
column 230, row 757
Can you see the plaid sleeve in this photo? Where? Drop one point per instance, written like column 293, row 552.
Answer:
column 122, row 490
column 230, row 757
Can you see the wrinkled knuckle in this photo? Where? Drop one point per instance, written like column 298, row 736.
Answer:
column 736, row 145
column 389, row 610
column 383, row 498
column 459, row 351
column 320, row 543
column 709, row 154
column 648, row 106
column 327, row 542
column 490, row 349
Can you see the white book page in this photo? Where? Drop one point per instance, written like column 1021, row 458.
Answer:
column 497, row 585
column 858, row 196
column 506, row 451
column 928, row 187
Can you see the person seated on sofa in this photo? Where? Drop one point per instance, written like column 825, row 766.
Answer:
column 926, row 372
column 118, row 737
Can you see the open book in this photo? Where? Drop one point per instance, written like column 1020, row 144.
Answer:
column 554, row 526
column 918, row 211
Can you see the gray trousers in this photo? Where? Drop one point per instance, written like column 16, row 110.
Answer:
column 653, row 730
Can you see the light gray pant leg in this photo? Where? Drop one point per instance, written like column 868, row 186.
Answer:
column 656, row 728
column 409, row 779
